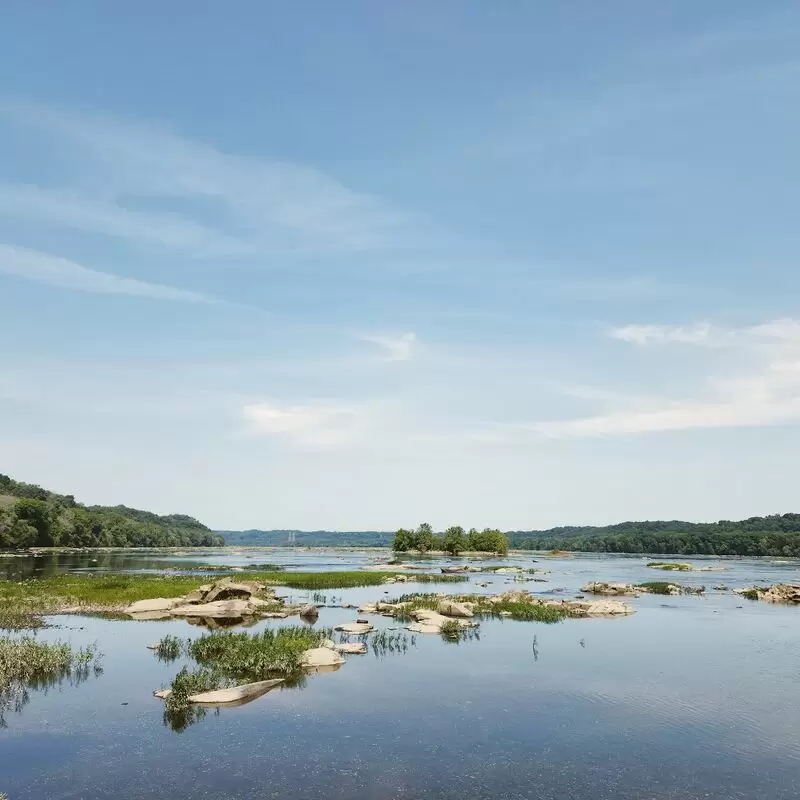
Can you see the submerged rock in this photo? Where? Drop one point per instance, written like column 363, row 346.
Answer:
column 321, row 659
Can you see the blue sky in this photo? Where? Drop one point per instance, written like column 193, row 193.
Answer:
column 360, row 265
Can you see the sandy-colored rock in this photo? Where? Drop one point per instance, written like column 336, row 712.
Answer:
column 779, row 593
column 154, row 604
column 320, row 657
column 428, row 621
column 613, row 589
column 144, row 615
column 355, row 628
column 351, row 648
column 235, row 694
column 218, row 609
column 368, row 608
column 227, row 590
column 258, row 603
column 449, row 608
column 310, row 611
column 194, row 597
column 162, row 694
column 423, row 627
column 605, row 608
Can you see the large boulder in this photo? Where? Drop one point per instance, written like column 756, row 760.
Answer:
column 781, row 593
column 154, row 604
column 603, row 608
column 428, row 621
column 449, row 608
column 226, row 590
column 309, row 611
column 224, row 609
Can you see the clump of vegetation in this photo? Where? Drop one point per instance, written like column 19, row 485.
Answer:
column 426, row 577
column 670, row 565
column 656, row 587
column 16, row 619
column 532, row 611
column 228, row 659
column 525, row 612
column 384, row 642
column 169, row 648
column 454, row 540
column 453, row 631
column 27, row 664
column 750, row 594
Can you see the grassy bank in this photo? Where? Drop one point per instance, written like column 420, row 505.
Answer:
column 21, row 601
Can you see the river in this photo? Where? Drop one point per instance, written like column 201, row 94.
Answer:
column 690, row 697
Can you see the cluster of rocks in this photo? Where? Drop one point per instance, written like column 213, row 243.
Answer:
column 219, row 604
column 612, row 589
column 779, row 593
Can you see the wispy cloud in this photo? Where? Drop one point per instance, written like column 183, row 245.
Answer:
column 61, row 272
column 768, row 394
column 304, row 425
column 68, row 208
column 398, row 348
column 266, row 206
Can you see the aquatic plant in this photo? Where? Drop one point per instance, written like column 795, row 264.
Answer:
column 385, row 642
column 17, row 619
column 27, row 664
column 169, row 648
column 426, row 577
column 179, row 713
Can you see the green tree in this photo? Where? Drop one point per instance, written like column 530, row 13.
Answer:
column 404, row 541
column 39, row 515
column 425, row 539
column 454, row 541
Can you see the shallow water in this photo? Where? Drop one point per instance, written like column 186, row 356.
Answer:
column 691, row 697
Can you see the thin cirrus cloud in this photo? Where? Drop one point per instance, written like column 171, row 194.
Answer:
column 397, row 348
column 261, row 207
column 767, row 395
column 65, row 274
column 303, row 425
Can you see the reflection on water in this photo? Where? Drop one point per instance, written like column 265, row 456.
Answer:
column 695, row 700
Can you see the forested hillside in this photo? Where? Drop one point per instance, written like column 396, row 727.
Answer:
column 774, row 535
column 31, row 516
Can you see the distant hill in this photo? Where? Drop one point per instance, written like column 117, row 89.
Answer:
column 31, row 516
column 774, row 535
column 280, row 538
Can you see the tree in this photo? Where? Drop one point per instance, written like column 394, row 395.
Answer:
column 454, row 540
column 403, row 541
column 39, row 516
column 425, row 540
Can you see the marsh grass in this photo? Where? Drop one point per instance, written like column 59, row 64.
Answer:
column 169, row 648
column 18, row 619
column 26, row 664
column 750, row 594
column 427, row 577
column 670, row 566
column 384, row 642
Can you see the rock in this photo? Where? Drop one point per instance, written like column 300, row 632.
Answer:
column 218, row 609
column 143, row 615
column 237, row 695
column 321, row 657
column 781, row 593
column 351, row 648
column 225, row 590
column 454, row 569
column 428, row 621
column 507, row 570
column 720, row 587
column 369, row 608
column 162, row 694
column 153, row 646
column 505, row 614
column 355, row 628
column 257, row 602
column 275, row 615
column 329, row 643
column 194, row 597
column 451, row 609
column 614, row 589
column 155, row 604
column 423, row 627
column 401, row 578
column 309, row 611
column 605, row 608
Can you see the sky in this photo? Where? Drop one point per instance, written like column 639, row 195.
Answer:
column 360, row 265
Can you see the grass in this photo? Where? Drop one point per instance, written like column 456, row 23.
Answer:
column 426, row 577
column 670, row 565
column 656, row 587
column 169, row 648
column 383, row 642
column 27, row 664
column 228, row 659
column 750, row 594
column 525, row 612
column 96, row 592
column 16, row 619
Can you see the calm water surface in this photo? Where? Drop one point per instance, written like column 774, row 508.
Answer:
column 691, row 697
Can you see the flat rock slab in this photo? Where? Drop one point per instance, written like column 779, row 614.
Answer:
column 235, row 694
column 351, row 648
column 452, row 609
column 227, row 591
column 154, row 604
column 219, row 608
column 149, row 615
column 355, row 628
column 162, row 694
column 321, row 657
column 423, row 627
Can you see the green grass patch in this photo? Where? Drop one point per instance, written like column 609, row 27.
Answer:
column 26, row 664
column 750, row 594
column 526, row 612
column 670, row 565
column 656, row 587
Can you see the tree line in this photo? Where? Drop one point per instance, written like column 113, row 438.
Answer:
column 454, row 540
column 773, row 535
column 31, row 516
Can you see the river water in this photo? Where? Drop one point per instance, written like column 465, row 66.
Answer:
column 690, row 697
